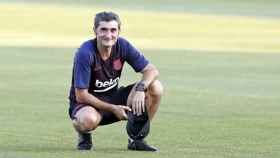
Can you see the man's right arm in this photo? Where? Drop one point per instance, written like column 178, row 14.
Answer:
column 83, row 97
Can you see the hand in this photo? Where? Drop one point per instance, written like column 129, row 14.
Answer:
column 138, row 103
column 119, row 111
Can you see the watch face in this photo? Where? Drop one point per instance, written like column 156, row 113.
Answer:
column 140, row 87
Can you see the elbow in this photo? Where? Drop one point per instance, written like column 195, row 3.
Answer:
column 79, row 99
column 154, row 70
column 156, row 73
column 80, row 96
column 151, row 70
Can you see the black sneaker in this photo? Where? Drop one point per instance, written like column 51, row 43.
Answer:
column 140, row 145
column 84, row 142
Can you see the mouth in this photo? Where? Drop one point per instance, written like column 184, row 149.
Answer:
column 108, row 42
column 107, row 39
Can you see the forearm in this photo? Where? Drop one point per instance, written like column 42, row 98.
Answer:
column 86, row 98
column 150, row 73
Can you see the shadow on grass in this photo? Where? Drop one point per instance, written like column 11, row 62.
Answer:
column 56, row 149
column 36, row 148
column 110, row 150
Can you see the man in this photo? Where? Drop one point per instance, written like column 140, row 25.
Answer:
column 95, row 98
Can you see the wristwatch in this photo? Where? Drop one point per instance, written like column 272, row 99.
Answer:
column 140, row 87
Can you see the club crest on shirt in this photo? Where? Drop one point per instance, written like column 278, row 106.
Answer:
column 117, row 64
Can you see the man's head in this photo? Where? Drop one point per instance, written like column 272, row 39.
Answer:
column 107, row 27
column 106, row 16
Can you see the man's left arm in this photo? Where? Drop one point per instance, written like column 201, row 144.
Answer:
column 150, row 73
column 137, row 96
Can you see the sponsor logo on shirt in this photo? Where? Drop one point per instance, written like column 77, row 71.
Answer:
column 106, row 85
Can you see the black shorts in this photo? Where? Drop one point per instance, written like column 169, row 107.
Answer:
column 118, row 97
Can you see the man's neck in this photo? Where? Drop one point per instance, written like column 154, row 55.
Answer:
column 104, row 52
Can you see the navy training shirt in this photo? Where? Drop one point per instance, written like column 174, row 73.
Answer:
column 101, row 76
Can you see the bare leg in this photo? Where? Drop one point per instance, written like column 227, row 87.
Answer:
column 154, row 93
column 87, row 119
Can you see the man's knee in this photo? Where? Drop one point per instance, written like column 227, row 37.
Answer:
column 89, row 122
column 86, row 120
column 156, row 88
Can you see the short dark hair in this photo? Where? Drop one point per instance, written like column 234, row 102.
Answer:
column 106, row 16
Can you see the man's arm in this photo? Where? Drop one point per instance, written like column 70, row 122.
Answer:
column 83, row 97
column 150, row 73
column 137, row 97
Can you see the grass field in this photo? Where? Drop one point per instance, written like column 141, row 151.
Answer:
column 221, row 74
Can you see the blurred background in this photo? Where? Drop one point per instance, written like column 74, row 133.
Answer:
column 250, row 26
column 218, row 61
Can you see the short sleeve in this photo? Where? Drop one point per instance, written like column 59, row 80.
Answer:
column 82, row 69
column 135, row 58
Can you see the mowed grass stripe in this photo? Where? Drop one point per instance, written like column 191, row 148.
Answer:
column 54, row 26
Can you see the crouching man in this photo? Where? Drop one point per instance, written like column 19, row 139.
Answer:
column 95, row 97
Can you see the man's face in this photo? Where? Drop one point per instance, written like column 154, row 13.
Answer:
column 107, row 33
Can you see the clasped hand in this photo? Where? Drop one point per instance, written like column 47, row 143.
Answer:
column 120, row 111
column 138, row 103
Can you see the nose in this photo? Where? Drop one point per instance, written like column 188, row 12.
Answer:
column 107, row 34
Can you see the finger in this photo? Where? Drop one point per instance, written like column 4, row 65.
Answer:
column 143, row 106
column 126, row 108
column 136, row 108
column 128, row 102
column 129, row 99
column 133, row 108
column 124, row 116
column 139, row 108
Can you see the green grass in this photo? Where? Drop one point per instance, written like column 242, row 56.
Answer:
column 215, row 105
column 221, row 76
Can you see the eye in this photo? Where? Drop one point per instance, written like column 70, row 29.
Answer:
column 113, row 30
column 103, row 29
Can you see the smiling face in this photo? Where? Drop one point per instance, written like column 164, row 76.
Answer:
column 107, row 33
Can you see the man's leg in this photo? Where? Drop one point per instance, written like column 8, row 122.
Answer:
column 154, row 93
column 138, row 126
column 85, row 120
column 153, row 97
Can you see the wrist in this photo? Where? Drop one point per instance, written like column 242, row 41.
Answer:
column 112, row 108
column 140, row 87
